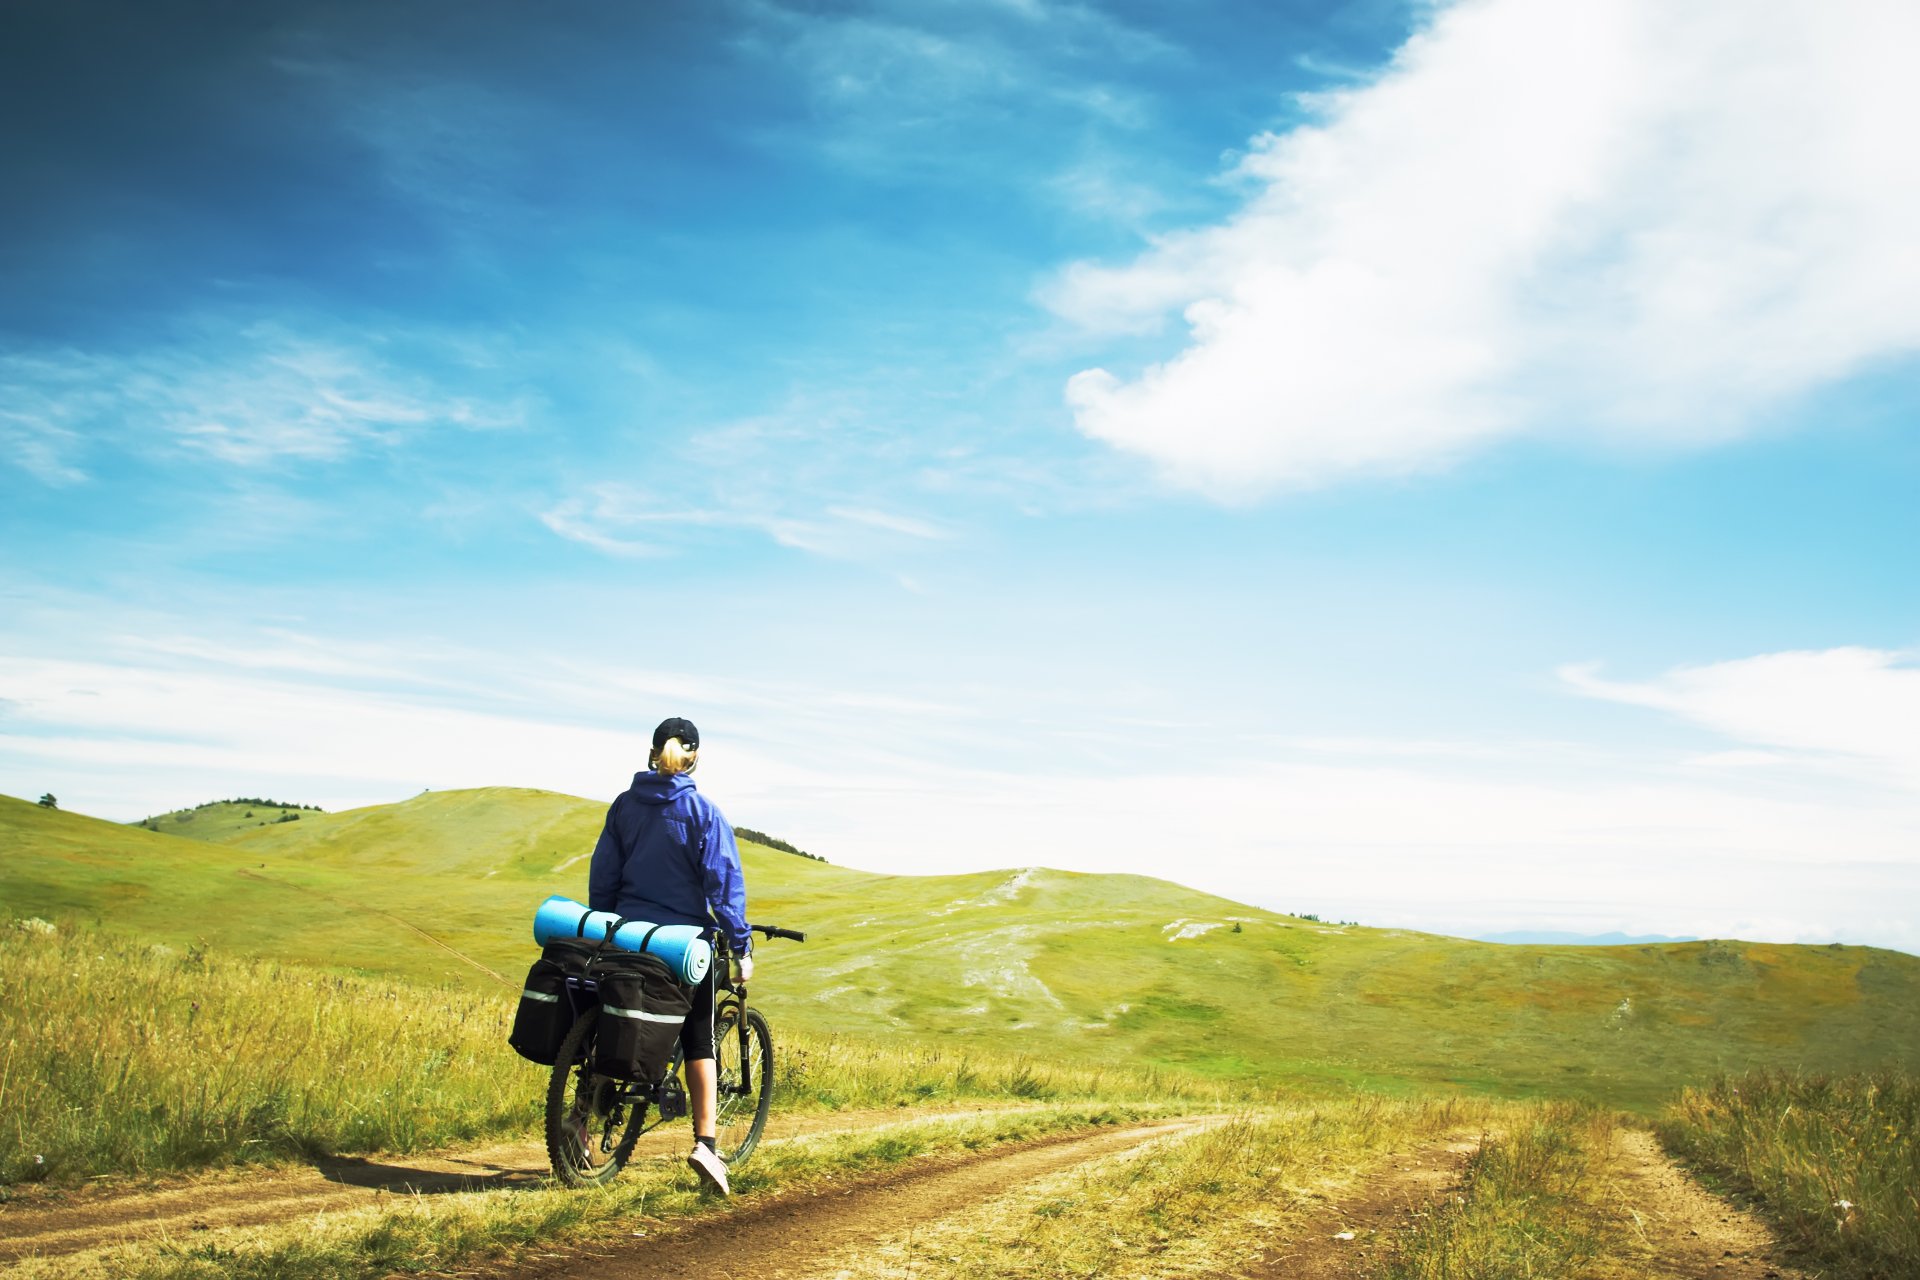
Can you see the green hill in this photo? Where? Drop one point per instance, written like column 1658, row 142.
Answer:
column 1106, row 967
column 222, row 819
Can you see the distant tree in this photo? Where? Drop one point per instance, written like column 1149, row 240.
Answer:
column 249, row 813
column 48, row 802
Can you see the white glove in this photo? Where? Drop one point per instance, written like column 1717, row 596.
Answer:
column 746, row 967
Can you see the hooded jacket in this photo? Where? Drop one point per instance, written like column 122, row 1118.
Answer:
column 667, row 855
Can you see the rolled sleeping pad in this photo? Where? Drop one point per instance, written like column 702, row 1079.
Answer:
column 683, row 946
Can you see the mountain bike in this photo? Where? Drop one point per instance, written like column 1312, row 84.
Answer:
column 593, row 1120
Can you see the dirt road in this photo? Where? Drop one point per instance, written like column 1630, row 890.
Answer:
column 1687, row 1232
column 822, row 1235
column 1678, row 1229
column 892, row 1224
column 47, row 1225
column 1352, row 1235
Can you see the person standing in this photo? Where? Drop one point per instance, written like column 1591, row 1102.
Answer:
column 667, row 855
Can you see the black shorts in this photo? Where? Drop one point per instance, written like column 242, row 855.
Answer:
column 696, row 1033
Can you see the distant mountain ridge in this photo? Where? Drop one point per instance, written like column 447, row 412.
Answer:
column 442, row 887
column 1553, row 938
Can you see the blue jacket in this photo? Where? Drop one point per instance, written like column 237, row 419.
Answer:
column 667, row 855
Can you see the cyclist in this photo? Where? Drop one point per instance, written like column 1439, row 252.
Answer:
column 667, row 855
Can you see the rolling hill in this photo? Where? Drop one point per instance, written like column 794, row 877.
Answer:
column 442, row 887
column 222, row 819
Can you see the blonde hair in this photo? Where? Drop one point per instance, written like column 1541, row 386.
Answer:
column 674, row 756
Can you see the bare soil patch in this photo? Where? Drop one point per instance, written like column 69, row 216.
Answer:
column 1690, row 1233
column 53, row 1223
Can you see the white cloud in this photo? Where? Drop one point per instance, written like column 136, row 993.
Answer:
column 1852, row 708
column 1639, row 220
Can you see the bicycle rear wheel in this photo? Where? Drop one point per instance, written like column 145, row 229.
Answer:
column 745, row 1081
column 591, row 1125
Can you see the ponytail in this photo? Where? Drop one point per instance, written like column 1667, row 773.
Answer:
column 675, row 757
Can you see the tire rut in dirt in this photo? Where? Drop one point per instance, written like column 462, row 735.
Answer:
column 51, row 1223
column 1693, row 1233
column 1348, row 1238
column 782, row 1238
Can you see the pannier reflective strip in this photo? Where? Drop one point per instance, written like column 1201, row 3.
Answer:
column 641, row 1014
column 541, row 996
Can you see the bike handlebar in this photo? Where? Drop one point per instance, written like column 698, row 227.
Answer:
column 774, row 931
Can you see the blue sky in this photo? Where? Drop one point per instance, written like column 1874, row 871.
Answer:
column 1447, row 466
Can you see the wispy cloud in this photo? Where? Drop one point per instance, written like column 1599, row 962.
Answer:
column 1639, row 220
column 42, row 402
column 1852, row 708
column 252, row 396
column 890, row 522
column 895, row 87
column 622, row 520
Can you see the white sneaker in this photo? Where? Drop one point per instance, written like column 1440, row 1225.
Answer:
column 710, row 1167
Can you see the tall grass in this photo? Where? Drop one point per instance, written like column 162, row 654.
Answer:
column 126, row 1058
column 129, row 1058
column 1531, row 1203
column 1833, row 1160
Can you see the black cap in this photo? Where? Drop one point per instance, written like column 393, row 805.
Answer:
column 676, row 727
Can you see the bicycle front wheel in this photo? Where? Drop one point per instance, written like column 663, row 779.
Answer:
column 744, row 1064
column 591, row 1124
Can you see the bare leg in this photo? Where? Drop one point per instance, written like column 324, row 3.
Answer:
column 702, row 1093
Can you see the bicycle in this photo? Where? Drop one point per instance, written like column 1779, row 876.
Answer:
column 593, row 1121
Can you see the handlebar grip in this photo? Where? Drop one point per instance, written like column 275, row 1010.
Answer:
column 774, row 931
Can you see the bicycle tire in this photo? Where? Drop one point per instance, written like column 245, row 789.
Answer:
column 745, row 1088
column 575, row 1092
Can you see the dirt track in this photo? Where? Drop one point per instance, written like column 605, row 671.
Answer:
column 812, row 1235
column 1690, row 1233
column 1681, row 1231
column 53, row 1225
column 866, row 1227
column 1351, row 1236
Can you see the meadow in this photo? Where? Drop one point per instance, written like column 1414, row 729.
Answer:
column 1073, row 968
column 133, row 1058
column 342, row 984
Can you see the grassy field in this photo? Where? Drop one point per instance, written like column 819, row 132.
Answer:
column 126, row 1057
column 1089, row 968
column 1833, row 1162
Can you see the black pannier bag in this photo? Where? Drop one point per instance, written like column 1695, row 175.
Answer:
column 545, row 1014
column 642, row 1007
